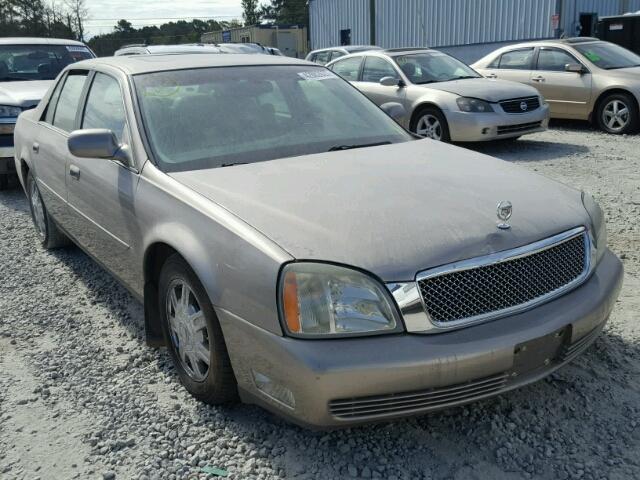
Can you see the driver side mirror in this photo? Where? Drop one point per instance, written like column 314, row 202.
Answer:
column 574, row 67
column 98, row 143
column 391, row 82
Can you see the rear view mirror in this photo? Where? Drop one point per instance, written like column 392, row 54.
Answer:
column 574, row 67
column 389, row 82
column 394, row 110
column 98, row 143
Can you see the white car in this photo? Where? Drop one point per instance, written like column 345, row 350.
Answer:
column 28, row 67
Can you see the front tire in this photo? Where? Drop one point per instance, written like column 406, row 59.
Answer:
column 617, row 114
column 194, row 336
column 48, row 232
column 431, row 123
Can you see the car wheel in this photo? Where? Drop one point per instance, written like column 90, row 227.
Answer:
column 48, row 232
column 4, row 182
column 193, row 334
column 431, row 123
column 617, row 114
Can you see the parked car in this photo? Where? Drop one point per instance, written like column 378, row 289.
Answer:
column 141, row 49
column 27, row 69
column 330, row 266
column 249, row 48
column 444, row 99
column 581, row 78
column 323, row 56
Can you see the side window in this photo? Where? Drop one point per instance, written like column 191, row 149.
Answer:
column 349, row 68
column 516, row 59
column 335, row 54
column 51, row 107
column 322, row 57
column 105, row 108
column 69, row 100
column 554, row 60
column 376, row 68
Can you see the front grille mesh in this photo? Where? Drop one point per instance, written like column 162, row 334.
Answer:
column 521, row 127
column 515, row 105
column 465, row 294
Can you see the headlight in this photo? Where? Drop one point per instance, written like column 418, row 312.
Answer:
column 598, row 225
column 318, row 299
column 473, row 105
column 7, row 111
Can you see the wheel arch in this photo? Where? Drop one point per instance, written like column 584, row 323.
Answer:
column 420, row 107
column 155, row 255
column 612, row 91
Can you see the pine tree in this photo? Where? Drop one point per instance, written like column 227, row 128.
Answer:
column 250, row 12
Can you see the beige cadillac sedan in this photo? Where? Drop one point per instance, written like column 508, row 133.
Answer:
column 581, row 78
column 439, row 97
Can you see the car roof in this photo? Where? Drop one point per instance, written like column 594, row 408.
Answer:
column 554, row 41
column 349, row 48
column 136, row 64
column 38, row 41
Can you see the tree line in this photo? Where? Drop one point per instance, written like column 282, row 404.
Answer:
column 66, row 19
column 35, row 18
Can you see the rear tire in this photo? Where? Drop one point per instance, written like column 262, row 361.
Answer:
column 617, row 114
column 48, row 232
column 430, row 122
column 194, row 336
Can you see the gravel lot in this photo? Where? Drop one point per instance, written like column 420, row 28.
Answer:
column 81, row 396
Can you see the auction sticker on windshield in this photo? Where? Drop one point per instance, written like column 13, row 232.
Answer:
column 319, row 75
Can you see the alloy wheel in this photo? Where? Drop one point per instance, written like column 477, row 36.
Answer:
column 616, row 115
column 429, row 126
column 37, row 208
column 188, row 330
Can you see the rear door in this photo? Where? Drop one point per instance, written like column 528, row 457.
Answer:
column 101, row 192
column 515, row 65
column 49, row 150
column 568, row 93
column 374, row 69
column 348, row 68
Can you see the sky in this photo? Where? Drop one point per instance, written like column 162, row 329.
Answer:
column 103, row 14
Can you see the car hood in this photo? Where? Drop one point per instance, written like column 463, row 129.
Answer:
column 485, row 89
column 392, row 210
column 23, row 94
column 632, row 73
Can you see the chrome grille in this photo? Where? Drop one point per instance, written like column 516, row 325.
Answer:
column 488, row 289
column 515, row 105
column 400, row 403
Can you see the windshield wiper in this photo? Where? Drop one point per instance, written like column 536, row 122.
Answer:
column 8, row 79
column 624, row 66
column 337, row 148
column 464, row 77
column 232, row 164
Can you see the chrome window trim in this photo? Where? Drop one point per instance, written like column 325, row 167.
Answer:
column 412, row 307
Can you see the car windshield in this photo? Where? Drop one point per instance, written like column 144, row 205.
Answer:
column 218, row 117
column 38, row 62
column 608, row 55
column 431, row 67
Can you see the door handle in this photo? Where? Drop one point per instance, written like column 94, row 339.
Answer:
column 74, row 172
column 35, row 147
column 491, row 75
column 538, row 79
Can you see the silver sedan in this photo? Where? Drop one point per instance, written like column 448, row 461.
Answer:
column 327, row 265
column 442, row 98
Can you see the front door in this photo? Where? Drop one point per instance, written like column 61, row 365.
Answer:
column 49, row 150
column 374, row 70
column 568, row 93
column 100, row 191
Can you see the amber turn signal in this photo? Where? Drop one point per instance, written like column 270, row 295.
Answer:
column 290, row 302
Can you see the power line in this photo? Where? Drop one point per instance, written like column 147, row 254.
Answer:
column 213, row 17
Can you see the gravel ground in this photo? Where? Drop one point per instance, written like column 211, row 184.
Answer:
column 81, row 396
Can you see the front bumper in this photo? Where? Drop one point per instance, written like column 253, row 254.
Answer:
column 479, row 127
column 349, row 381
